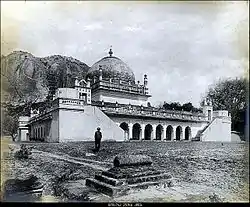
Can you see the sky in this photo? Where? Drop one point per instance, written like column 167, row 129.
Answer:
column 183, row 47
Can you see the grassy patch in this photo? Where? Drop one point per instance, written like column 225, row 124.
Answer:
column 208, row 164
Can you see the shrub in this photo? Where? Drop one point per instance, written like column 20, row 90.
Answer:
column 24, row 152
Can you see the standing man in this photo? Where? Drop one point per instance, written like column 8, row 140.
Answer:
column 98, row 137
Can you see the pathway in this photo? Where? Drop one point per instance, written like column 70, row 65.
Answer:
column 86, row 162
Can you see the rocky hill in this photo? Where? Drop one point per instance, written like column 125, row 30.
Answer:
column 26, row 78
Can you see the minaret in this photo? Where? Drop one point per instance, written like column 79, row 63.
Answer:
column 100, row 72
column 145, row 84
column 208, row 109
column 145, row 80
column 32, row 113
column 76, row 82
column 88, row 82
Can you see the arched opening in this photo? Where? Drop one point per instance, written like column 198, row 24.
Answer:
column 148, row 132
column 178, row 133
column 38, row 134
column 136, row 131
column 187, row 133
column 41, row 133
column 159, row 130
column 44, row 130
column 169, row 133
column 124, row 126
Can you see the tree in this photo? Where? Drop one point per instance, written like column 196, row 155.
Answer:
column 9, row 125
column 178, row 107
column 174, row 105
column 10, row 116
column 166, row 106
column 187, row 107
column 230, row 94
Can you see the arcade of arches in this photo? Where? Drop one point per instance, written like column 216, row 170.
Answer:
column 155, row 132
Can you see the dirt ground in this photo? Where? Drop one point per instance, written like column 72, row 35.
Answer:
column 203, row 172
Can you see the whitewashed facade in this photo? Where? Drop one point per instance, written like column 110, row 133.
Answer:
column 111, row 99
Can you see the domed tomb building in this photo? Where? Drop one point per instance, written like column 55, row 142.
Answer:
column 110, row 98
column 113, row 81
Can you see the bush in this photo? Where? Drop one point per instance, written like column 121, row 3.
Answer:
column 215, row 198
column 24, row 152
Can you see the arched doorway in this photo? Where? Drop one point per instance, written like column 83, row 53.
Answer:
column 178, row 133
column 124, row 126
column 148, row 132
column 159, row 130
column 136, row 131
column 187, row 133
column 169, row 133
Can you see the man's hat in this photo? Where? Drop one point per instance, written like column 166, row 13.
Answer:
column 98, row 128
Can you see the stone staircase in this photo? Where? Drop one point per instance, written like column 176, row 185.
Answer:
column 200, row 132
column 119, row 180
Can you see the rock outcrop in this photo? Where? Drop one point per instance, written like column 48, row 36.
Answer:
column 28, row 78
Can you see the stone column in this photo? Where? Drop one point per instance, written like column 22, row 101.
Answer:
column 130, row 127
column 174, row 134
column 153, row 135
column 164, row 132
column 142, row 131
column 182, row 133
column 32, row 132
column 100, row 73
column 41, row 132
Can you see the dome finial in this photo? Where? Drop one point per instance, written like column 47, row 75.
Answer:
column 110, row 51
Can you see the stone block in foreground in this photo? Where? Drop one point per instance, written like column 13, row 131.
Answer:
column 132, row 160
column 133, row 171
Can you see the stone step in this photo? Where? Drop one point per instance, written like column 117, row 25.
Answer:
column 122, row 175
column 101, row 187
column 145, row 185
column 131, row 170
column 148, row 178
column 147, row 173
column 113, row 175
column 105, row 188
column 108, row 180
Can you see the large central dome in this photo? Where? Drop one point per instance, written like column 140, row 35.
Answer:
column 112, row 67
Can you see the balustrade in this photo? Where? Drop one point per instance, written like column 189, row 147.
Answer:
column 169, row 114
column 119, row 86
column 71, row 102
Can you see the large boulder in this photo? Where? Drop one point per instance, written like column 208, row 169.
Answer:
column 22, row 189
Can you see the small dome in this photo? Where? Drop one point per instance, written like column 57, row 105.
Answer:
column 112, row 67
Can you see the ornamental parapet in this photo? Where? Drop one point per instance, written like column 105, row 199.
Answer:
column 226, row 119
column 41, row 117
column 155, row 114
column 67, row 103
column 119, row 86
column 72, row 102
